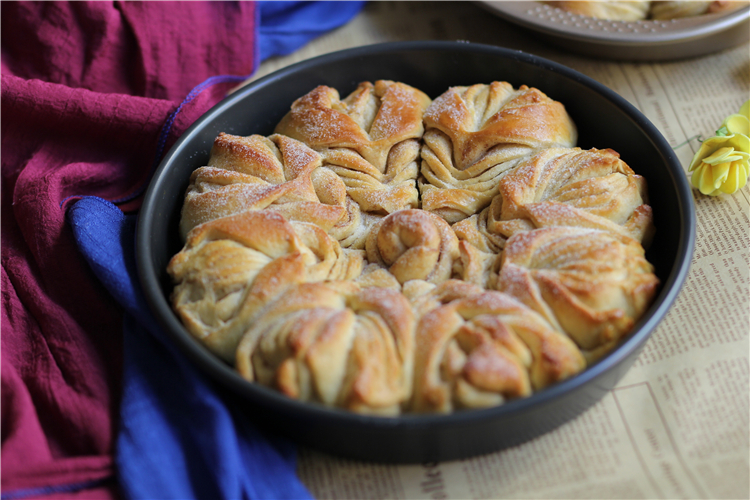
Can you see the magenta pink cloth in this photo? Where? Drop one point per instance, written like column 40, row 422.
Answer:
column 86, row 89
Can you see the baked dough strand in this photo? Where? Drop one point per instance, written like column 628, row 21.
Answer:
column 335, row 344
column 370, row 140
column 593, row 285
column 256, row 173
column 230, row 267
column 475, row 135
column 480, row 350
column 414, row 244
column 573, row 187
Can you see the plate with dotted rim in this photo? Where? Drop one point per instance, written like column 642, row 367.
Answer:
column 649, row 40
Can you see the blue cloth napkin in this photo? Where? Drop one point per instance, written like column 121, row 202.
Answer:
column 178, row 436
column 285, row 26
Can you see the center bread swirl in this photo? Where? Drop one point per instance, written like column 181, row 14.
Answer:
column 385, row 253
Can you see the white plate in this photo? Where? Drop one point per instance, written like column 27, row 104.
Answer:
column 629, row 40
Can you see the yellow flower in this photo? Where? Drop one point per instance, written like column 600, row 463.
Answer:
column 738, row 123
column 722, row 163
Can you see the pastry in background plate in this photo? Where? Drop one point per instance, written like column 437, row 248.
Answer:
column 612, row 10
column 678, row 9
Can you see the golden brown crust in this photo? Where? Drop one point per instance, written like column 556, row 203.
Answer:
column 414, row 244
column 308, row 265
column 476, row 266
column 481, row 229
column 475, row 135
column 593, row 285
column 256, row 173
column 370, row 141
column 231, row 266
column 336, row 344
column 572, row 187
column 480, row 350
column 370, row 121
column 612, row 10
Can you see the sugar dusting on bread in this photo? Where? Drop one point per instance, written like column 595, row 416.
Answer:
column 388, row 253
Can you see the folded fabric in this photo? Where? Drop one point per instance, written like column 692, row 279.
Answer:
column 178, row 438
column 87, row 89
column 285, row 26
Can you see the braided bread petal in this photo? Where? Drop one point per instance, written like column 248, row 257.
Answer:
column 475, row 135
column 230, row 267
column 254, row 173
column 479, row 350
column 370, row 140
column 335, row 344
column 592, row 285
column 572, row 187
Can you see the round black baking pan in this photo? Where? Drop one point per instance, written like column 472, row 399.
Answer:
column 604, row 120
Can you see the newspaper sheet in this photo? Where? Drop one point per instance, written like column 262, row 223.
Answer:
column 677, row 425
